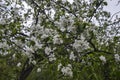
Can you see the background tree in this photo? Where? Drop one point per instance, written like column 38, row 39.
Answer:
column 65, row 41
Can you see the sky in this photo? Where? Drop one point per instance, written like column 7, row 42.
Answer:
column 112, row 6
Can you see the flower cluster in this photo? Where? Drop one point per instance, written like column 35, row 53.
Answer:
column 57, row 39
column 50, row 54
column 67, row 70
column 117, row 57
column 72, row 56
column 103, row 59
column 80, row 45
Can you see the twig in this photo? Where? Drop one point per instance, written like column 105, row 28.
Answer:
column 97, row 6
column 114, row 15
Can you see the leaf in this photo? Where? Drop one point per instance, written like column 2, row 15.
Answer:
column 105, row 3
column 32, row 43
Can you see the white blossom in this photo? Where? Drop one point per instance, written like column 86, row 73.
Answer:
column 48, row 31
column 67, row 35
column 28, row 54
column 57, row 39
column 52, row 57
column 77, row 45
column 102, row 58
column 38, row 45
column 67, row 71
column 2, row 21
column 4, row 45
column 71, row 29
column 48, row 50
column 80, row 45
column 34, row 62
column 13, row 55
column 60, row 25
column 72, row 56
column 29, row 49
column 69, row 65
column 5, row 53
column 50, row 53
column 62, row 29
column 59, row 66
column 44, row 36
column 117, row 57
column 19, row 64
column 38, row 69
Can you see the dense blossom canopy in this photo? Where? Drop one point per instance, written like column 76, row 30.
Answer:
column 58, row 40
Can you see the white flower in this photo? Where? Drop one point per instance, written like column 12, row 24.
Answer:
column 29, row 49
column 47, row 50
column 69, row 65
column 38, row 45
column 72, row 56
column 59, row 66
column 52, row 57
column 13, row 55
column 117, row 57
column 62, row 29
column 39, row 70
column 19, row 64
column 28, row 54
column 67, row 71
column 77, row 45
column 34, row 62
column 60, row 26
column 57, row 39
column 2, row 21
column 71, row 29
column 44, row 36
column 80, row 45
column 48, row 31
column 4, row 45
column 102, row 58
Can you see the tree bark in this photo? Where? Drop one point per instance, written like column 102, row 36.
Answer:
column 26, row 70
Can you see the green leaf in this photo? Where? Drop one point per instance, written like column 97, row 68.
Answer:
column 105, row 3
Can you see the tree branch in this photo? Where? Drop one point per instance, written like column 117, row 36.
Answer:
column 26, row 70
column 65, row 8
column 114, row 15
column 94, row 11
